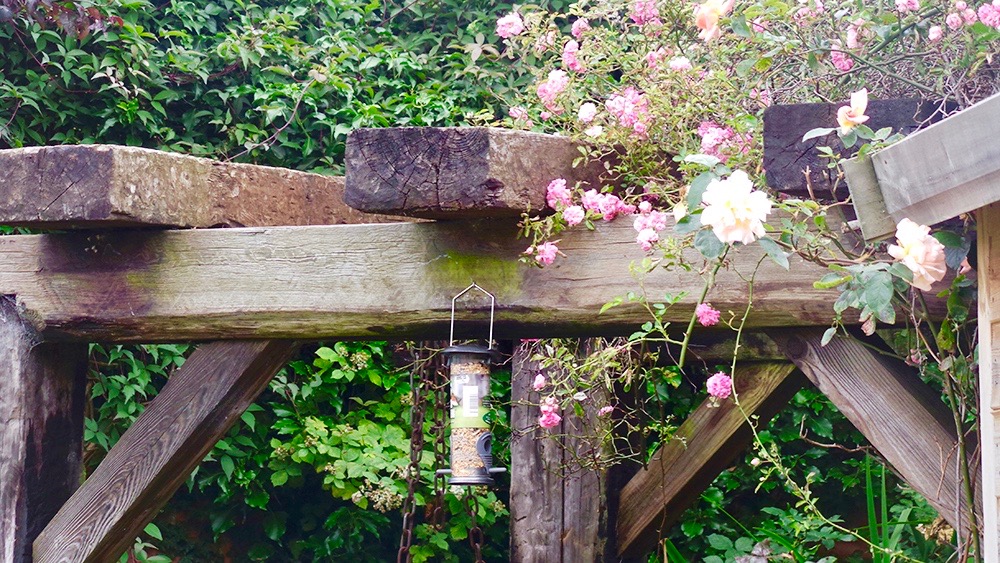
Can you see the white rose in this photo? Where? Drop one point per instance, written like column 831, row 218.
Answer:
column 735, row 211
column 920, row 252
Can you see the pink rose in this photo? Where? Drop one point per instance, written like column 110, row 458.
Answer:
column 552, row 87
column 953, row 21
column 707, row 315
column 574, row 215
column 549, row 420
column 935, row 33
column 538, row 383
column 720, row 385
column 546, row 253
column 680, row 64
column 580, row 26
column 569, row 59
column 647, row 238
column 557, row 194
column 587, row 112
column 510, row 25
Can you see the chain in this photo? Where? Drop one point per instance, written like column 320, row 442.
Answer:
column 417, row 416
column 440, row 416
column 475, row 532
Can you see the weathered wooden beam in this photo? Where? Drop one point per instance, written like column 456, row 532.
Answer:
column 794, row 166
column 950, row 168
column 101, row 186
column 450, row 172
column 198, row 405
column 988, row 230
column 366, row 281
column 886, row 401
column 559, row 509
column 702, row 447
column 42, row 393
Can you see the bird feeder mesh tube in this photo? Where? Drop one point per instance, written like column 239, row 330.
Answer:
column 471, row 447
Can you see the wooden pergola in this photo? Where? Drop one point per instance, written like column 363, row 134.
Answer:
column 141, row 261
column 949, row 169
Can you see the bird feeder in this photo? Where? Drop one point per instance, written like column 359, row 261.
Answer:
column 469, row 373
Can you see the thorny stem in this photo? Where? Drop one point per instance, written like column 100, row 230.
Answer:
column 963, row 457
column 704, row 292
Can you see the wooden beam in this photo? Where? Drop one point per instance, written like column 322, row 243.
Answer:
column 886, row 401
column 559, row 510
column 793, row 166
column 988, row 230
column 367, row 281
column 198, row 405
column 42, row 393
column 101, row 186
column 950, row 168
column 704, row 445
column 449, row 172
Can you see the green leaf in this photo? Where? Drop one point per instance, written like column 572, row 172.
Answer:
column 774, row 251
column 689, row 224
column 692, row 528
column 708, row 244
column 817, row 132
column 878, row 291
column 949, row 239
column 830, row 281
column 706, row 160
column 279, row 478
column 227, row 466
column 720, row 542
column 828, row 336
column 697, row 189
column 739, row 25
column 153, row 531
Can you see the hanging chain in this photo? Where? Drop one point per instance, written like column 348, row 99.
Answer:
column 439, row 417
column 471, row 501
column 417, row 415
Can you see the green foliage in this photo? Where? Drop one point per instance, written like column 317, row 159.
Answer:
column 279, row 83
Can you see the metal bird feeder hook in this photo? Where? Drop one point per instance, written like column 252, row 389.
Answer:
column 469, row 371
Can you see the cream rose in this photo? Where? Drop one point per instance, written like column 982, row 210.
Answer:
column 920, row 252
column 735, row 211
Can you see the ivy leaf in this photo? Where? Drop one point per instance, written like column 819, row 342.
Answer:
column 774, row 251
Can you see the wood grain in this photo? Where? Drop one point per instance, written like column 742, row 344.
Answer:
column 198, row 405
column 988, row 229
column 42, row 394
column 450, row 172
column 367, row 281
column 102, row 186
column 536, row 484
column 887, row 401
column 950, row 168
column 702, row 447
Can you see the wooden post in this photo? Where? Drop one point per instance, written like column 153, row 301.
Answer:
column 555, row 515
column 900, row 415
column 702, row 447
column 41, row 431
column 988, row 229
column 199, row 404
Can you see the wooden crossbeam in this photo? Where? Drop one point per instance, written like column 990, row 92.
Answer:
column 702, row 447
column 42, row 394
column 198, row 405
column 950, row 168
column 900, row 415
column 102, row 186
column 366, row 281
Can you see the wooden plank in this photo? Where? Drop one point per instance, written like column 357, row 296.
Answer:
column 867, row 199
column 559, row 503
column 42, row 393
column 366, row 281
column 793, row 166
column 886, row 401
column 536, row 484
column 101, row 186
column 950, row 168
column 198, row 405
column 449, row 172
column 704, row 445
column 988, row 230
